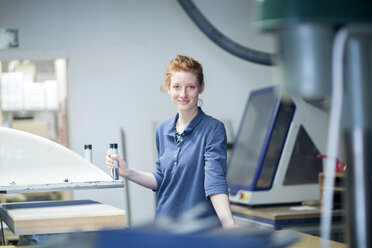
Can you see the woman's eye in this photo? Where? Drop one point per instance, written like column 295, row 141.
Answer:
column 192, row 87
column 176, row 87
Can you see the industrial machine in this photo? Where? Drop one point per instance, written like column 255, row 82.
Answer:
column 274, row 158
column 30, row 163
column 325, row 51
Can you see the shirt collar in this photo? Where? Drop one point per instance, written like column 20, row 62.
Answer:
column 199, row 116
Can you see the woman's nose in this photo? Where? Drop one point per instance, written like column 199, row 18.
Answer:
column 183, row 92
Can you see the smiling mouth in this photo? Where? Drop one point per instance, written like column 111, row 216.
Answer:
column 183, row 101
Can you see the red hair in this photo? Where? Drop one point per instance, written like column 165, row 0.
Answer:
column 183, row 63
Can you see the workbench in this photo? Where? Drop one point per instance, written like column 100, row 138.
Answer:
column 304, row 219
column 49, row 217
column 308, row 241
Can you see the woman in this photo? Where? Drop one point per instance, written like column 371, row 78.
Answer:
column 191, row 151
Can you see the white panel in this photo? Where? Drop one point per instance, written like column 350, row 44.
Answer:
column 31, row 163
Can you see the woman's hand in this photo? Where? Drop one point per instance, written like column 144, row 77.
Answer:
column 123, row 169
column 145, row 179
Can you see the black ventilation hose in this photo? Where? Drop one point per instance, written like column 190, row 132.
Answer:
column 221, row 40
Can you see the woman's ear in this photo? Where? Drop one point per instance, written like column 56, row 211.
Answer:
column 201, row 88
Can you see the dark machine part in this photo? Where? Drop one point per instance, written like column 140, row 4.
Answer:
column 357, row 124
column 305, row 56
column 306, row 31
column 221, row 40
column 359, row 187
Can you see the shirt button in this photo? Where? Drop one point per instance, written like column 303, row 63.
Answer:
column 175, row 155
column 175, row 163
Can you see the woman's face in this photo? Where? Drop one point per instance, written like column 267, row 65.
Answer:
column 184, row 90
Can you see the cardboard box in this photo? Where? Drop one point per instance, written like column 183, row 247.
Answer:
column 41, row 128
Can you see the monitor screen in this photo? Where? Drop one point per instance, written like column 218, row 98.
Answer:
column 252, row 135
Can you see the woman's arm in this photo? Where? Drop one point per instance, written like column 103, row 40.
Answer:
column 221, row 205
column 145, row 179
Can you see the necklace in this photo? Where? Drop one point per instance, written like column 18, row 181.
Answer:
column 178, row 137
column 179, row 129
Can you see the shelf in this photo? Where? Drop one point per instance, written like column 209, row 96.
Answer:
column 338, row 189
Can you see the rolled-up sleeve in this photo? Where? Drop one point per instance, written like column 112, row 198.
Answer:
column 215, row 161
column 158, row 176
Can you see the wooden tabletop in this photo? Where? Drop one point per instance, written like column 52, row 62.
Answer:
column 308, row 241
column 282, row 212
column 61, row 217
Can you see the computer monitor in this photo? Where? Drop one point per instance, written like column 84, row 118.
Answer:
column 272, row 135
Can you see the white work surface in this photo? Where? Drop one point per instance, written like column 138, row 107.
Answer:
column 61, row 217
column 30, row 163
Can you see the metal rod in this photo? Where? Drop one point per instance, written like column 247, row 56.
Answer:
column 358, row 128
column 114, row 171
column 127, row 196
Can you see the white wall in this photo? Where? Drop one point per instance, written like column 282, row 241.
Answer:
column 117, row 52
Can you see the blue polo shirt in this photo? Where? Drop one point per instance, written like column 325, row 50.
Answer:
column 188, row 172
